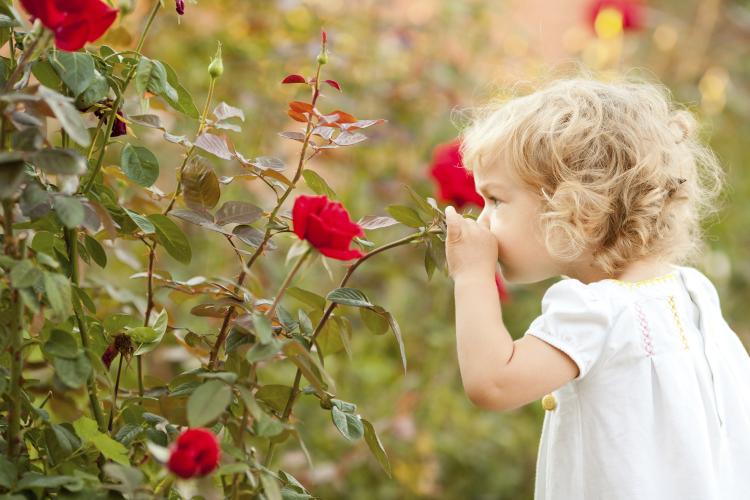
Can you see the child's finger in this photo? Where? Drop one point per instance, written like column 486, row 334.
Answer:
column 454, row 224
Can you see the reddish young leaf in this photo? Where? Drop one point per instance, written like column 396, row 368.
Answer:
column 334, row 84
column 344, row 117
column 301, row 107
column 294, row 79
column 297, row 116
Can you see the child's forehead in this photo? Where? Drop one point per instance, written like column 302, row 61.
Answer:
column 494, row 174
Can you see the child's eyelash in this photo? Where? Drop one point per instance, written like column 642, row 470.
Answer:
column 494, row 200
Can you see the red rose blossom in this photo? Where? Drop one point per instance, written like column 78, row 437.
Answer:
column 455, row 183
column 631, row 10
column 195, row 453
column 73, row 22
column 326, row 225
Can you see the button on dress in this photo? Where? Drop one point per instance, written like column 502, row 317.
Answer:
column 661, row 407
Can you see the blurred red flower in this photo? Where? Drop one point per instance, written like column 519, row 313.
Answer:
column 455, row 183
column 504, row 295
column 326, row 225
column 73, row 22
column 195, row 453
column 631, row 11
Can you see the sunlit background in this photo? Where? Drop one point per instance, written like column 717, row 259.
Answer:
column 417, row 63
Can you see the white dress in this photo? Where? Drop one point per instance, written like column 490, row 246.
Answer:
column 661, row 407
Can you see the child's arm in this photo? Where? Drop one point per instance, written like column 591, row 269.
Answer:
column 497, row 373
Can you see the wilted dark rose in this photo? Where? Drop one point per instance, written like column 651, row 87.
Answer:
column 631, row 11
column 72, row 22
column 455, row 183
column 195, row 453
column 326, row 225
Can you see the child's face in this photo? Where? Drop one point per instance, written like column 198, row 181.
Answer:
column 511, row 211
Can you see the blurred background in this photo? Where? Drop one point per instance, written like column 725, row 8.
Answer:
column 415, row 63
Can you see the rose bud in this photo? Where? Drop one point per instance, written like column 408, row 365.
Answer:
column 180, row 6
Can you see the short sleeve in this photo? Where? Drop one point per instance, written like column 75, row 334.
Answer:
column 575, row 320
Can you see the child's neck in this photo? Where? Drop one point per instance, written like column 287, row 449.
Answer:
column 635, row 271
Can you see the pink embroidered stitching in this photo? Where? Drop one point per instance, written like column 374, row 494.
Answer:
column 645, row 332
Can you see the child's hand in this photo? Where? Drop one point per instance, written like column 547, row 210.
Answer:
column 470, row 247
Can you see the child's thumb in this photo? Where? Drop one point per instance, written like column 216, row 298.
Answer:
column 454, row 223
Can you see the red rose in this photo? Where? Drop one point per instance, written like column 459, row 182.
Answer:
column 73, row 22
column 326, row 225
column 631, row 10
column 194, row 454
column 455, row 183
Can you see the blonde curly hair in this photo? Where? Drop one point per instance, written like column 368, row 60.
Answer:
column 618, row 167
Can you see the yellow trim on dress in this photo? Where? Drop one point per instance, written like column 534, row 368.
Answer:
column 646, row 282
column 673, row 306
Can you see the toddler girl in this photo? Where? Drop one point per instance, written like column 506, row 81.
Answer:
column 646, row 387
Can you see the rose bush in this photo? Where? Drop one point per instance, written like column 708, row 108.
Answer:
column 70, row 421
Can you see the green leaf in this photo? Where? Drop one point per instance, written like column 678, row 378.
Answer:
column 60, row 161
column 111, row 449
column 142, row 334
column 96, row 250
column 70, row 118
column 263, row 329
column 275, row 396
column 405, row 215
column 97, row 91
column 184, row 102
column 142, row 222
column 158, row 328
column 309, row 366
column 36, row 480
column 201, row 186
column 61, row 344
column 376, row 447
column 317, row 183
column 375, row 319
column 43, row 70
column 70, row 210
column 152, row 76
column 76, row 69
column 59, row 295
column 172, row 238
column 239, row 212
column 349, row 297
column 8, row 472
column 262, row 352
column 12, row 174
column 24, row 274
column 424, row 207
column 139, row 164
column 117, row 322
column 73, row 372
column 397, row 332
column 349, row 425
column 271, row 489
column 208, row 402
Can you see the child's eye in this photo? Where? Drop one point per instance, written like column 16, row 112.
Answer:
column 494, row 200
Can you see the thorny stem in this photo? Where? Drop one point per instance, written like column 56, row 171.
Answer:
column 16, row 340
column 267, row 235
column 71, row 241
column 286, row 282
column 114, row 395
column 214, row 355
column 119, row 100
column 319, row 327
